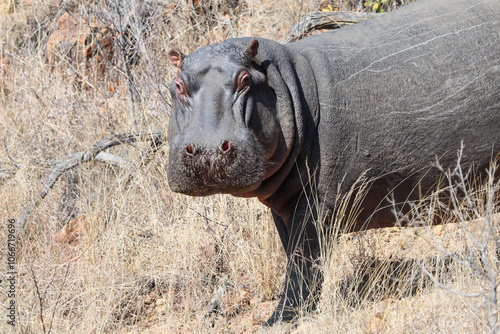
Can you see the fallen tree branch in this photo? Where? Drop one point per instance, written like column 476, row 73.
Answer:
column 112, row 160
column 325, row 20
column 72, row 160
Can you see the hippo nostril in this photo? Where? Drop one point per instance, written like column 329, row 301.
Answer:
column 225, row 146
column 190, row 149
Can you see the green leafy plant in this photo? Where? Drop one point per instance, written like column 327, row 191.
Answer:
column 375, row 5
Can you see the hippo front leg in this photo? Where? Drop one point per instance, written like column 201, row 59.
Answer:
column 281, row 228
column 303, row 276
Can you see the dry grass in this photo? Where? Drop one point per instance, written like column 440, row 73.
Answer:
column 147, row 260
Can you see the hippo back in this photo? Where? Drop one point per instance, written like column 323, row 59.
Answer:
column 398, row 92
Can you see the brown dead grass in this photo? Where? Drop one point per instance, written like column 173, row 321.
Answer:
column 141, row 259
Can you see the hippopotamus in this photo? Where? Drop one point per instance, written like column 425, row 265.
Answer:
column 296, row 125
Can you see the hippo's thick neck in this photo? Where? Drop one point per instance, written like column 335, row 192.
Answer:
column 290, row 76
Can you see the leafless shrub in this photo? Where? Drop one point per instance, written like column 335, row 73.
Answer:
column 471, row 202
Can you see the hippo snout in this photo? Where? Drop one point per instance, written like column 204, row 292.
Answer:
column 227, row 166
column 208, row 164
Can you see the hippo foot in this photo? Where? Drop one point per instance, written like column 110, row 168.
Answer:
column 282, row 314
column 302, row 290
column 291, row 308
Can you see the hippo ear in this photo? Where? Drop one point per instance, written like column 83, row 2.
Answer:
column 252, row 49
column 176, row 57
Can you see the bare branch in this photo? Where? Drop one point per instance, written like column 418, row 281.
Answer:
column 468, row 202
column 447, row 288
column 325, row 20
column 112, row 160
column 40, row 299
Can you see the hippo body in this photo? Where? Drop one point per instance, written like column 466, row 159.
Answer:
column 297, row 124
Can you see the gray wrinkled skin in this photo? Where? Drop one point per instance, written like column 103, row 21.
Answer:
column 387, row 97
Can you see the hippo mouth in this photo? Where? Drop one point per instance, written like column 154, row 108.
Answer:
column 229, row 168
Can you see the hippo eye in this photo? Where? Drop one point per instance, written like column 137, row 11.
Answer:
column 244, row 80
column 180, row 88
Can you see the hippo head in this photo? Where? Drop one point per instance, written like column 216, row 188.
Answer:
column 223, row 131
